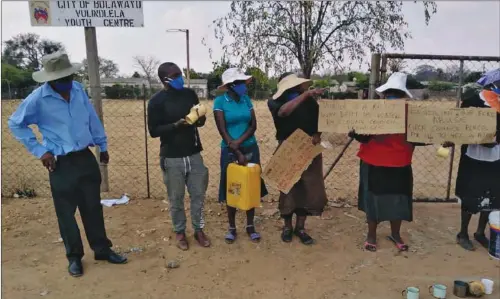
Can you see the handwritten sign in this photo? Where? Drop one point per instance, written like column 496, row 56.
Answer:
column 433, row 124
column 290, row 160
column 364, row 116
column 101, row 13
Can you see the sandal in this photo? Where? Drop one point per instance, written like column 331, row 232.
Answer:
column 370, row 246
column 287, row 234
column 254, row 236
column 481, row 239
column 230, row 236
column 401, row 246
column 465, row 242
column 304, row 237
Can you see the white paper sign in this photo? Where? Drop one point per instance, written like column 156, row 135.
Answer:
column 103, row 13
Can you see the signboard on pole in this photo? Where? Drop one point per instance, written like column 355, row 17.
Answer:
column 100, row 13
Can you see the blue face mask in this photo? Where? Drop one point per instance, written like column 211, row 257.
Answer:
column 392, row 98
column 240, row 89
column 63, row 86
column 292, row 95
column 177, row 83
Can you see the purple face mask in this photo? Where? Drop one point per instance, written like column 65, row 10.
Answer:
column 63, row 86
column 292, row 95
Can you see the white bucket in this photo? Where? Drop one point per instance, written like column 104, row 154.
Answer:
column 494, row 246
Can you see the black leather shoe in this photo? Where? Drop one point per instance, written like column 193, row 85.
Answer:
column 112, row 257
column 75, row 268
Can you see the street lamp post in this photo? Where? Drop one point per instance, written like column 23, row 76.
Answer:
column 187, row 51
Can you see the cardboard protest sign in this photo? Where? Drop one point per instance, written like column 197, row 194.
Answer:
column 290, row 160
column 434, row 124
column 364, row 116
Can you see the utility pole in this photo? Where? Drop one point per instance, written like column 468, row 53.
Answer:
column 188, row 79
column 187, row 54
column 95, row 92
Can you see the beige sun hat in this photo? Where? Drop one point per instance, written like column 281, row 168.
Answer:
column 395, row 81
column 288, row 82
column 231, row 75
column 55, row 66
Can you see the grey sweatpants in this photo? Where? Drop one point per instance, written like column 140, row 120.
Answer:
column 179, row 173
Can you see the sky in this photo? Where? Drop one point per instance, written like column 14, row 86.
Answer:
column 458, row 28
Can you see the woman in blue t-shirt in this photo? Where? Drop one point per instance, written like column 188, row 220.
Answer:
column 236, row 122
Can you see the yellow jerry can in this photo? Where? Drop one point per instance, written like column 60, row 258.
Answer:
column 243, row 186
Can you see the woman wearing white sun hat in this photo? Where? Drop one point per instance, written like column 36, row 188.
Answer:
column 294, row 107
column 236, row 122
column 386, row 178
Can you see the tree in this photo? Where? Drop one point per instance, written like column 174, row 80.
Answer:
column 192, row 74
column 148, row 66
column 214, row 78
column 26, row 50
column 282, row 34
column 136, row 75
column 118, row 91
column 412, row 83
column 427, row 72
column 362, row 80
column 473, row 77
column 259, row 87
column 16, row 82
column 396, row 65
column 107, row 68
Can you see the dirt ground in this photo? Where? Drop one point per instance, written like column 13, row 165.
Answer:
column 34, row 265
column 124, row 123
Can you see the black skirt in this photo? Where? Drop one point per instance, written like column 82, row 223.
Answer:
column 386, row 193
column 478, row 184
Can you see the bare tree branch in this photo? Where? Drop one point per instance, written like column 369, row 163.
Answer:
column 311, row 34
column 148, row 66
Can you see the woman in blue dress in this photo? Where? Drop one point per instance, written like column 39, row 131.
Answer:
column 236, row 122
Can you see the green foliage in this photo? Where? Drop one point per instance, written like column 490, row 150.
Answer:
column 473, row 77
column 25, row 50
column 107, row 69
column 362, row 80
column 214, row 78
column 321, row 83
column 440, row 86
column 119, row 91
column 259, row 86
column 16, row 82
column 192, row 74
column 284, row 34
column 17, row 77
column 343, row 95
column 412, row 83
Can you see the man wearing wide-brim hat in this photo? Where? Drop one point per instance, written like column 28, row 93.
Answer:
column 69, row 126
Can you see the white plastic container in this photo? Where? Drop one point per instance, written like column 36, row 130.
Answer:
column 488, row 285
column 494, row 246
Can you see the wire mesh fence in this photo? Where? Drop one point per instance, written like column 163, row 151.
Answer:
column 438, row 80
column 134, row 155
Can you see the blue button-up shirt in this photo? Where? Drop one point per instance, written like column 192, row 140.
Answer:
column 66, row 126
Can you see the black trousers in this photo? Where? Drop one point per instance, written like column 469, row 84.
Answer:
column 76, row 182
